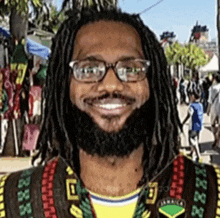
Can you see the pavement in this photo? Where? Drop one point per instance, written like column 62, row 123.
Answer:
column 11, row 164
column 208, row 155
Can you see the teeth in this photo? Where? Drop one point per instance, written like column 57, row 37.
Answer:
column 111, row 106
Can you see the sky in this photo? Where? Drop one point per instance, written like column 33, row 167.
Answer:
column 178, row 16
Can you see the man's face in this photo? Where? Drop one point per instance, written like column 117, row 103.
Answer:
column 109, row 102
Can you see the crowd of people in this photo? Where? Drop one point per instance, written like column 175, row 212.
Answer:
column 186, row 87
column 202, row 97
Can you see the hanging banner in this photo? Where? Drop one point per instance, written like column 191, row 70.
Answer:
column 19, row 63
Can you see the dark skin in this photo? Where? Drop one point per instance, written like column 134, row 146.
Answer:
column 109, row 41
column 122, row 177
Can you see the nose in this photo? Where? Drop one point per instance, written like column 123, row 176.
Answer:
column 110, row 83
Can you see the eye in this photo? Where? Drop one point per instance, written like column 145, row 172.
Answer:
column 89, row 71
column 131, row 70
column 134, row 70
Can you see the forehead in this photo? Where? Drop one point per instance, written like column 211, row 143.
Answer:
column 107, row 35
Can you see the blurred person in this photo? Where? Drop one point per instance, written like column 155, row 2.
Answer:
column 182, row 91
column 195, row 114
column 175, row 86
column 214, row 109
column 206, row 84
column 194, row 85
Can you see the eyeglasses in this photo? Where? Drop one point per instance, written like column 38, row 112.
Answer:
column 90, row 71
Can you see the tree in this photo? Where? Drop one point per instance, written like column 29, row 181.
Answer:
column 174, row 55
column 47, row 17
column 190, row 55
column 79, row 4
column 18, row 11
column 194, row 56
column 45, row 14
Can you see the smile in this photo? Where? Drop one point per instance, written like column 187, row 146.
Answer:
column 110, row 106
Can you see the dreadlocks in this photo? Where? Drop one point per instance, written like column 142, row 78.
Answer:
column 55, row 138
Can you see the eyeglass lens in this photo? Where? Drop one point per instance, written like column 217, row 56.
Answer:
column 93, row 71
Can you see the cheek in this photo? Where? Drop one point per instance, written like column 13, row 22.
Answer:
column 142, row 92
column 72, row 93
column 76, row 92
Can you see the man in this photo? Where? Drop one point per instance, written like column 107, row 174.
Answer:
column 109, row 138
column 214, row 109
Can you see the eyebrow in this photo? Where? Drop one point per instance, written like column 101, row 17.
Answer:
column 97, row 58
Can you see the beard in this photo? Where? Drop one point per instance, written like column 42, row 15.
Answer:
column 87, row 135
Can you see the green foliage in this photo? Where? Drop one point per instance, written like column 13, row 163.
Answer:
column 37, row 3
column 79, row 4
column 194, row 56
column 174, row 53
column 190, row 55
column 21, row 6
column 47, row 17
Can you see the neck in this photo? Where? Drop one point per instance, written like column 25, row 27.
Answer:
column 111, row 176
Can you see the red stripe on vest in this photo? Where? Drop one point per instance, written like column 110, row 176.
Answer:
column 47, row 190
column 177, row 183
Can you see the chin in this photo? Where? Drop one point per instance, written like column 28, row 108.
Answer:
column 110, row 135
column 111, row 129
column 111, row 123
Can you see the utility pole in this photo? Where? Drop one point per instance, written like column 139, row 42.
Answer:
column 218, row 28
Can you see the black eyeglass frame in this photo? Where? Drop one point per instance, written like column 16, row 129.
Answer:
column 107, row 67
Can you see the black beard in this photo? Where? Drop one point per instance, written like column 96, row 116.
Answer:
column 93, row 140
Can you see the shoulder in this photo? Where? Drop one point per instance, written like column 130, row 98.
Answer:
column 35, row 191
column 200, row 170
column 192, row 104
column 201, row 187
column 199, row 105
column 16, row 190
column 191, row 108
column 195, row 185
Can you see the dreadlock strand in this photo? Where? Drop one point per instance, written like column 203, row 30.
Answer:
column 161, row 86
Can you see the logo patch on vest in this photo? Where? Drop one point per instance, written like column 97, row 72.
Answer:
column 171, row 208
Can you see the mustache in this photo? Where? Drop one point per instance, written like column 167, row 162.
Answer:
column 110, row 96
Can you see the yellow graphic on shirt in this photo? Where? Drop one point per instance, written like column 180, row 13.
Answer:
column 2, row 204
column 71, row 192
column 146, row 214
column 117, row 207
column 217, row 171
column 75, row 211
column 152, row 193
column 70, row 186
